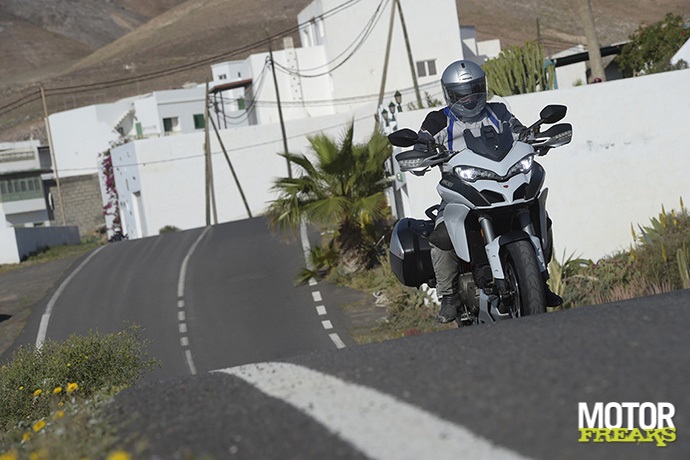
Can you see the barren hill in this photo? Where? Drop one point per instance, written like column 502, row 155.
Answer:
column 191, row 34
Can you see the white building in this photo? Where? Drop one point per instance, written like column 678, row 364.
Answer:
column 22, row 198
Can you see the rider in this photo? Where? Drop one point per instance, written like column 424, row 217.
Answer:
column 464, row 88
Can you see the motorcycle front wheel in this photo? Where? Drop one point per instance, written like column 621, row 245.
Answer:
column 524, row 279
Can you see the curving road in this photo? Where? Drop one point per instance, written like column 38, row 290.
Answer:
column 508, row 390
column 232, row 302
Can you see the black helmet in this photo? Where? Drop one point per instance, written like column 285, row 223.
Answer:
column 464, row 86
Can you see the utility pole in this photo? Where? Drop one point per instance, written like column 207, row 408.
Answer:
column 592, row 41
column 409, row 55
column 386, row 58
column 232, row 169
column 52, row 156
column 210, row 192
column 280, row 109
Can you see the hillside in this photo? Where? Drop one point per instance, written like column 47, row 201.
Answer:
column 60, row 45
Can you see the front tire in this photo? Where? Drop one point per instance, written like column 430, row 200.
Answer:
column 524, row 279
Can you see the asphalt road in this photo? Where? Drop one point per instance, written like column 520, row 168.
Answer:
column 508, row 390
column 236, row 304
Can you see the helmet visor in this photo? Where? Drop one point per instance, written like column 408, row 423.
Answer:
column 466, row 93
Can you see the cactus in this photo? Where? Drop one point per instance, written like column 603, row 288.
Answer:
column 519, row 70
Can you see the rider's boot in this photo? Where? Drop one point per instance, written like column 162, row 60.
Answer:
column 552, row 299
column 450, row 304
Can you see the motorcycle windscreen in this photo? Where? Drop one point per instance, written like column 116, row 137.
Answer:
column 490, row 143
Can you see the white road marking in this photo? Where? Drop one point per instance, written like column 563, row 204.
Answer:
column 45, row 319
column 183, row 268
column 337, row 340
column 378, row 425
column 184, row 341
column 190, row 361
column 316, row 295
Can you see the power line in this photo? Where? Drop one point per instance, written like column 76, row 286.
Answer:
column 357, row 42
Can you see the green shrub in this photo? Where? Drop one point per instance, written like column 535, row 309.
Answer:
column 34, row 381
column 168, row 229
column 655, row 263
column 662, row 245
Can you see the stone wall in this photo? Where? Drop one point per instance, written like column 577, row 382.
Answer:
column 82, row 201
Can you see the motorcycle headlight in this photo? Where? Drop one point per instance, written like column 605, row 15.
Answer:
column 471, row 174
column 521, row 167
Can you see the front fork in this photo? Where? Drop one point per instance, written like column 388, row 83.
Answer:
column 494, row 244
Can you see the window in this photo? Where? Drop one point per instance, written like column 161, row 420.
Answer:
column 3, row 187
column 199, row 121
column 22, row 184
column 171, row 124
column 426, row 68
column 222, row 77
column 241, row 104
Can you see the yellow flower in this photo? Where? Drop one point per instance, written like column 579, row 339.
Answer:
column 26, row 436
column 38, row 392
column 21, row 388
column 119, row 455
column 38, row 426
column 38, row 455
column 68, row 364
column 60, row 404
column 58, row 414
column 72, row 387
column 11, row 455
column 57, row 390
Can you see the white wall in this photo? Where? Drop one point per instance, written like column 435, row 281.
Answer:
column 8, row 242
column 169, row 172
column 629, row 155
column 79, row 135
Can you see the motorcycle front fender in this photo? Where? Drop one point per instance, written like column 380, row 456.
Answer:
column 493, row 251
column 454, row 216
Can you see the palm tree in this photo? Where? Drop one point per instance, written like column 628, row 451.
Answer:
column 342, row 188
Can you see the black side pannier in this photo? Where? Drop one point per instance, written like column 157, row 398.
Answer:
column 410, row 252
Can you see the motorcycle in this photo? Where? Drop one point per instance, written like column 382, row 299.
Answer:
column 495, row 216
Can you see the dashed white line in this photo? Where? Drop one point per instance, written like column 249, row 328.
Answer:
column 181, row 316
column 337, row 340
column 377, row 424
column 316, row 295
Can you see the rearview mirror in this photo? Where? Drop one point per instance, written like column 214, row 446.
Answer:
column 553, row 113
column 403, row 138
